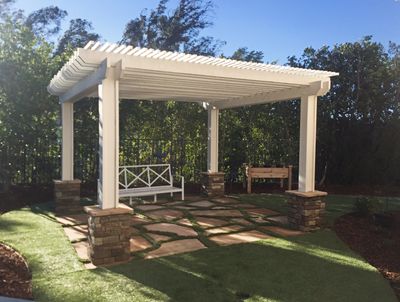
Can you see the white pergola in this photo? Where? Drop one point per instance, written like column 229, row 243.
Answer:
column 113, row 72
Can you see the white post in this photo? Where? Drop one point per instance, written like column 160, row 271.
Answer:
column 107, row 193
column 308, row 134
column 67, row 152
column 213, row 119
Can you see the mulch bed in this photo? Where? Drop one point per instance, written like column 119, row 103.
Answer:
column 380, row 246
column 15, row 277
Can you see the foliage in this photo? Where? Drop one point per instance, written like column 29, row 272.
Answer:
column 365, row 206
column 358, row 121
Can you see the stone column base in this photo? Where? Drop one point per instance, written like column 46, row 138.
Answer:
column 306, row 209
column 109, row 232
column 213, row 184
column 67, row 196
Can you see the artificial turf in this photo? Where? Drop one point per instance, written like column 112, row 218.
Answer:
column 313, row 267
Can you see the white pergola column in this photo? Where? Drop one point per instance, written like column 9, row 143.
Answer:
column 308, row 133
column 67, row 152
column 213, row 120
column 107, row 193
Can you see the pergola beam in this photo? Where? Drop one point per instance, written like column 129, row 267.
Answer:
column 317, row 88
column 86, row 86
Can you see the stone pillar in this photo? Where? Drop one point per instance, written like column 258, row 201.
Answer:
column 213, row 184
column 67, row 196
column 306, row 209
column 109, row 232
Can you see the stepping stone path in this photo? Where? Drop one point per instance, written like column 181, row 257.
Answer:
column 148, row 207
column 73, row 219
column 165, row 214
column 279, row 219
column 282, row 231
column 225, row 229
column 205, row 222
column 261, row 212
column 173, row 227
column 202, row 204
column 76, row 232
column 81, row 249
column 217, row 213
column 158, row 238
column 242, row 221
column 138, row 243
column 243, row 237
column 176, row 247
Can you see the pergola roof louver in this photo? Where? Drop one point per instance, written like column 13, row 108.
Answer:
column 149, row 74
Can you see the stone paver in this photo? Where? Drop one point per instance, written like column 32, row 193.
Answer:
column 279, row 219
column 223, row 230
column 171, row 228
column 176, row 247
column 281, row 231
column 242, row 237
column 148, row 207
column 242, row 221
column 225, row 200
column 185, row 221
column 158, row 237
column 261, row 212
column 138, row 243
column 173, row 203
column 244, row 205
column 202, row 204
column 205, row 222
column 165, row 214
column 82, row 248
column 217, row 213
column 76, row 233
column 138, row 220
column 89, row 265
column 73, row 219
column 184, row 207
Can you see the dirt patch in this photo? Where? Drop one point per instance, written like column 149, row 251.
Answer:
column 15, row 277
column 380, row 246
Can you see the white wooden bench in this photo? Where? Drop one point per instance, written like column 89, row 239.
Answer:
column 148, row 180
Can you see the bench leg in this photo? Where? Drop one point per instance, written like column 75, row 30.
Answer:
column 172, row 194
column 155, row 198
column 183, row 195
column 130, row 200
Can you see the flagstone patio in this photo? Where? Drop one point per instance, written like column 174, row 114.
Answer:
column 171, row 227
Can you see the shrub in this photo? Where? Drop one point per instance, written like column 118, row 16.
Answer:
column 365, row 206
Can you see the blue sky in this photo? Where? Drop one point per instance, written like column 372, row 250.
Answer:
column 279, row 28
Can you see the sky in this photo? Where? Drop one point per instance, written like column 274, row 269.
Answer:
column 279, row 28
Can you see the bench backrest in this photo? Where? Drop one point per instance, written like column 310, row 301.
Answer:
column 139, row 176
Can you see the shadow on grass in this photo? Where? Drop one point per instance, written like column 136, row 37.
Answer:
column 270, row 270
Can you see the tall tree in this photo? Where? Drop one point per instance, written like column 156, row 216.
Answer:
column 46, row 21
column 178, row 31
column 79, row 33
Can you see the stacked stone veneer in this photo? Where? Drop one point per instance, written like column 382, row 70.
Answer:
column 67, row 196
column 213, row 184
column 109, row 232
column 306, row 210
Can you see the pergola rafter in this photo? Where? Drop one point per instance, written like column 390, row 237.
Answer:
column 112, row 72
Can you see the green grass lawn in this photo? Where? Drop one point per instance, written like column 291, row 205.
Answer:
column 313, row 267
